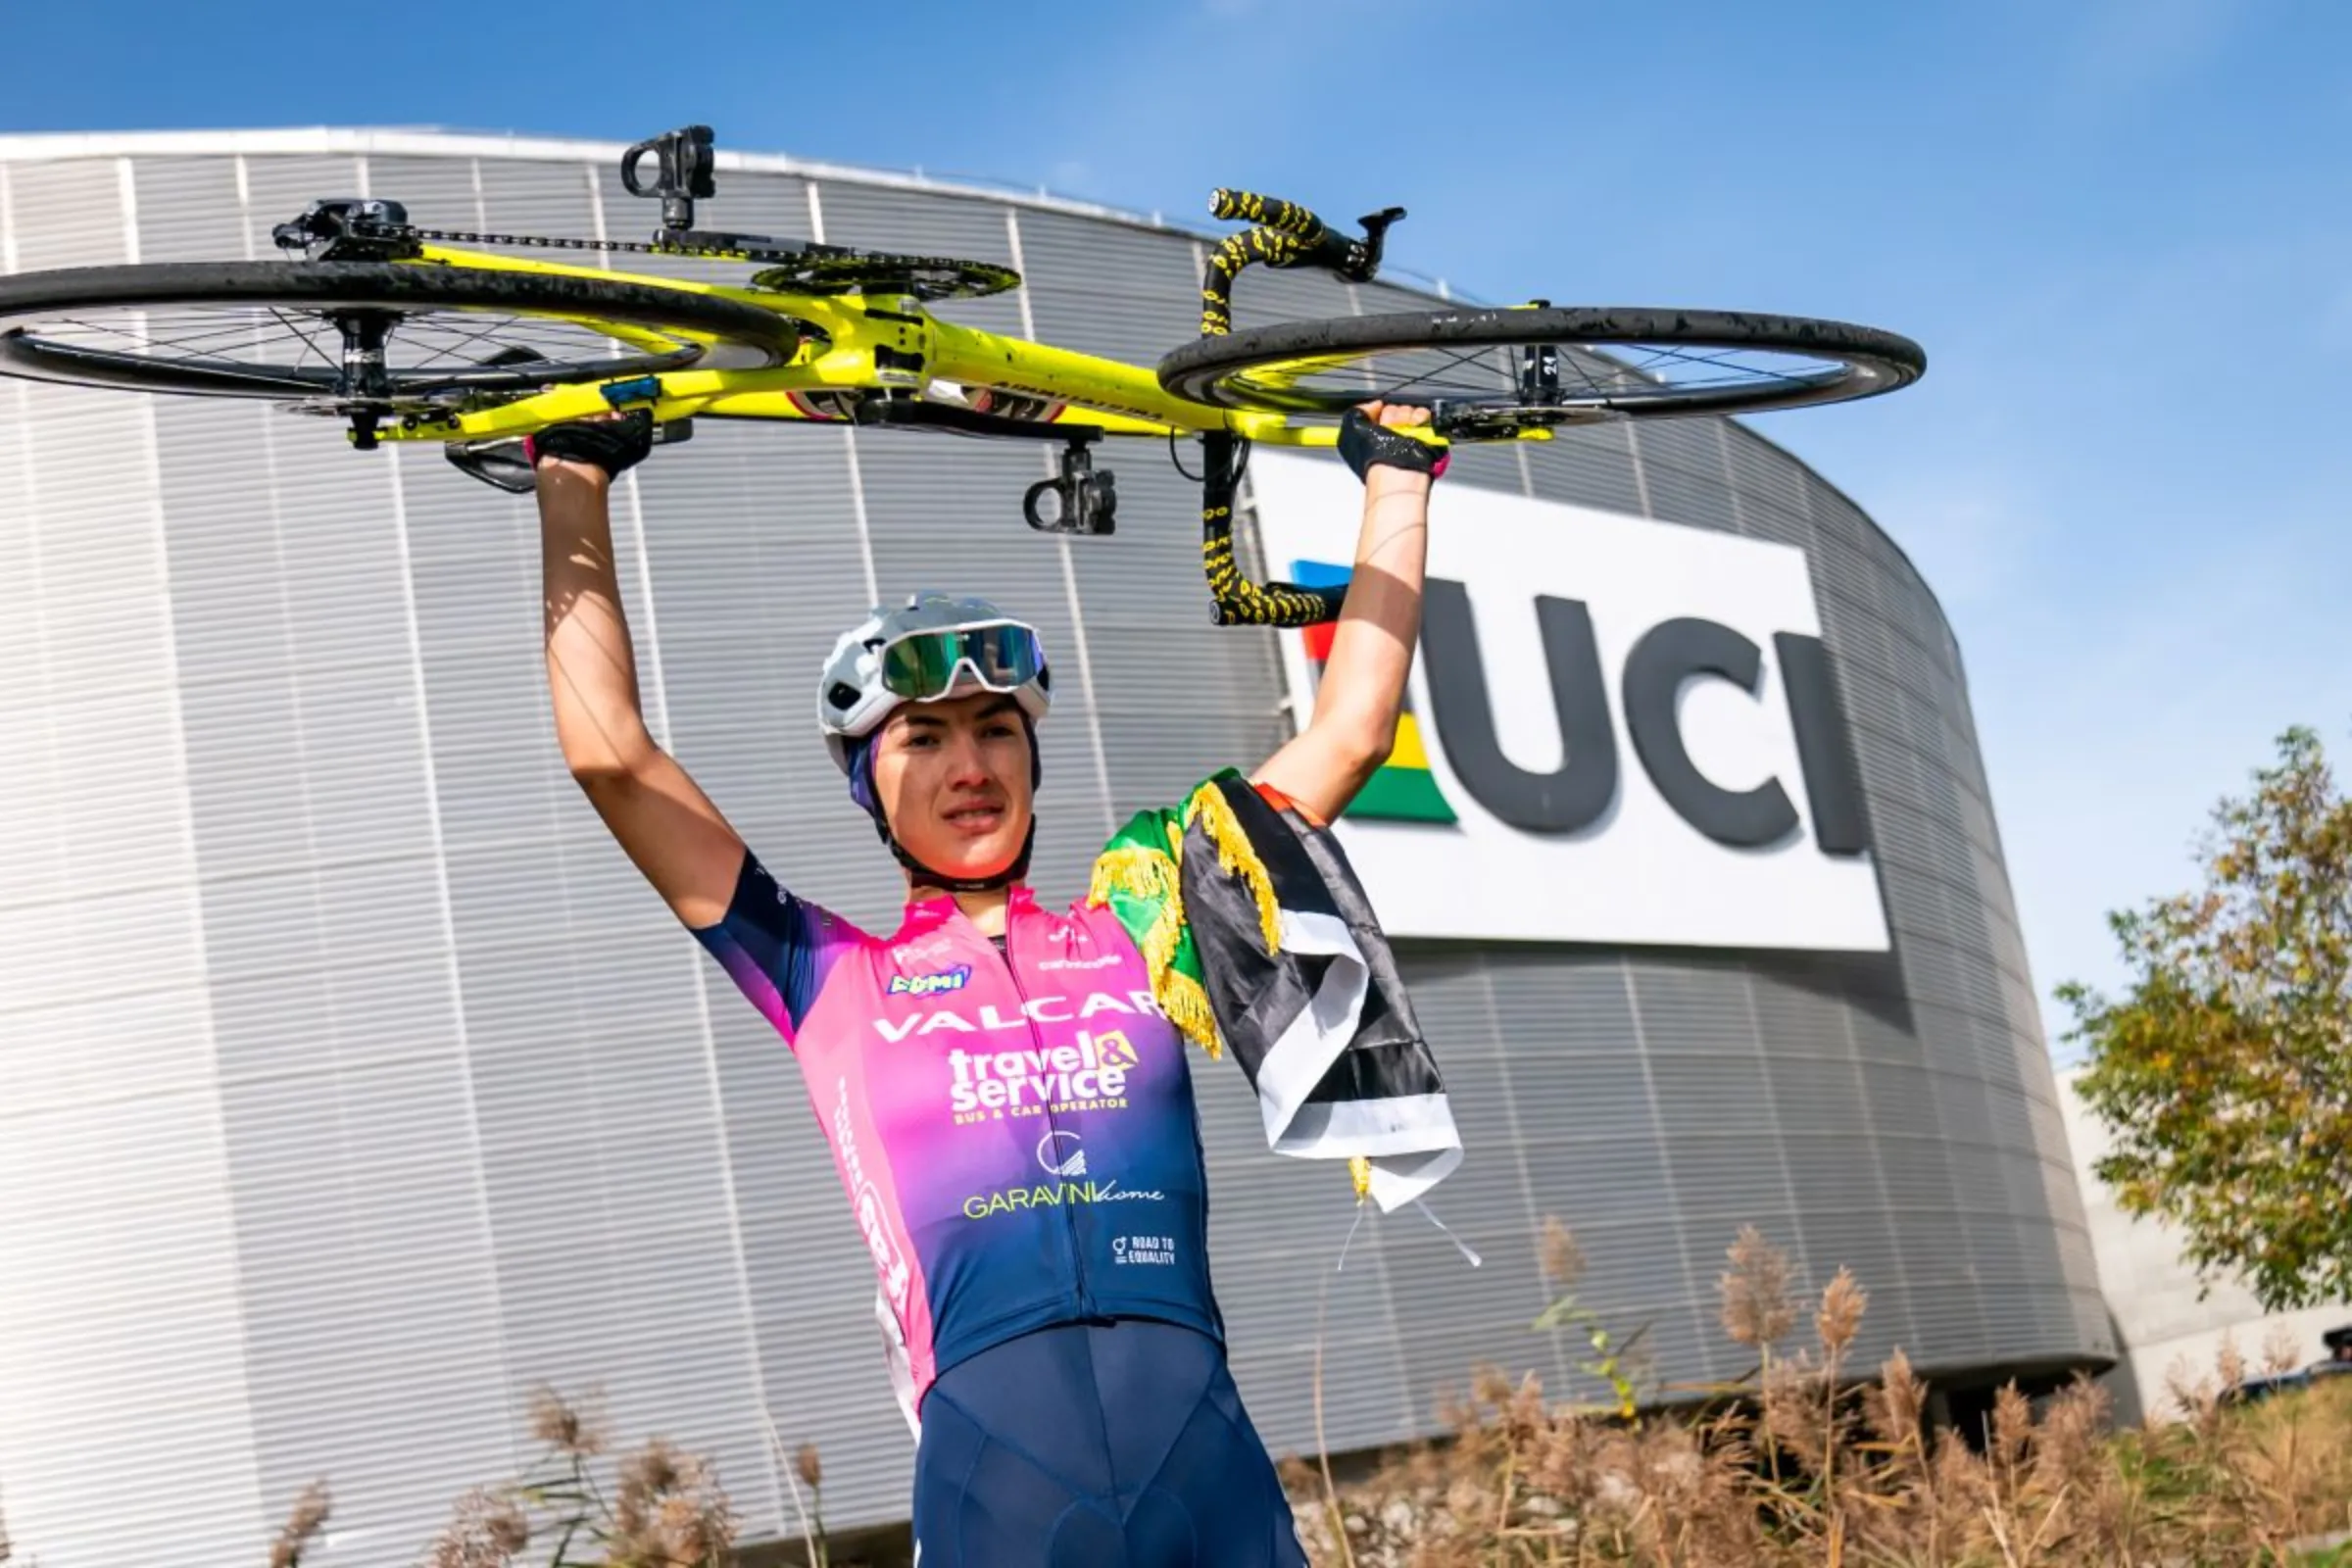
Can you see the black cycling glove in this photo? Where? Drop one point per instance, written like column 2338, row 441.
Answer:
column 614, row 445
column 1365, row 444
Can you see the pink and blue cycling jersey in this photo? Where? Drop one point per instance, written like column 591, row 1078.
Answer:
column 1015, row 1132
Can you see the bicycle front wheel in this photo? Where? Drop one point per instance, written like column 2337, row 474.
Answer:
column 352, row 337
column 1491, row 373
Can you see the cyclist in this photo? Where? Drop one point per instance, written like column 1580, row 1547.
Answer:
column 1010, row 1111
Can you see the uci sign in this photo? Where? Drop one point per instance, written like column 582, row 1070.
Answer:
column 1621, row 731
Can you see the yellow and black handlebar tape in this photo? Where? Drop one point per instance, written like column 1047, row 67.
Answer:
column 1285, row 234
column 1271, row 211
column 1239, row 602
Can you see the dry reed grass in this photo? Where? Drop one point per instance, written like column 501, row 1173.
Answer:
column 665, row 1509
column 1799, row 1465
column 1802, row 1464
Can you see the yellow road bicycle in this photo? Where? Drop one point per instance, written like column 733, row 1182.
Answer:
column 389, row 328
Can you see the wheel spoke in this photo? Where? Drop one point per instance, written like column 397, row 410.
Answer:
column 307, row 339
column 1453, row 360
column 1649, row 372
column 145, row 345
column 463, row 342
column 450, row 338
column 276, row 346
column 197, row 337
column 148, row 337
column 1658, row 352
column 145, row 338
column 1637, row 375
column 1753, row 374
column 1626, row 362
column 1584, row 373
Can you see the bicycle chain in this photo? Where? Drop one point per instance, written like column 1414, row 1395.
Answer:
column 925, row 277
column 412, row 234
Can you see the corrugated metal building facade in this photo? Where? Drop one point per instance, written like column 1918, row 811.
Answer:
column 351, row 1082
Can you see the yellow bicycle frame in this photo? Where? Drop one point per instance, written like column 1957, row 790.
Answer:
column 838, row 356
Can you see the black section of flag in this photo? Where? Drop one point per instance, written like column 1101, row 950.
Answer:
column 1284, row 1015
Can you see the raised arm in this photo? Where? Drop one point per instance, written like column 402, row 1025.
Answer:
column 1362, row 690
column 664, row 824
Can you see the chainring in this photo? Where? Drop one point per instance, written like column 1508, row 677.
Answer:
column 923, row 278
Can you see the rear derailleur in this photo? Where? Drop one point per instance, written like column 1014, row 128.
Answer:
column 350, row 228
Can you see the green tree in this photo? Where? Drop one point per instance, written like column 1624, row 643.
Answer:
column 2224, row 1072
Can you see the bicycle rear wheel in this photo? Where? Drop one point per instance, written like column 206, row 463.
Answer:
column 367, row 338
column 1490, row 373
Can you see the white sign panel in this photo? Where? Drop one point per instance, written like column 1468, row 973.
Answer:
column 1621, row 731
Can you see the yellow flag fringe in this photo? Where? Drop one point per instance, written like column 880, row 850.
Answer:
column 1144, row 874
column 1236, row 857
column 1149, row 874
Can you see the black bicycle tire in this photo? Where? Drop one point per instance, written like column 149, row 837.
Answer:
column 1885, row 361
column 361, row 285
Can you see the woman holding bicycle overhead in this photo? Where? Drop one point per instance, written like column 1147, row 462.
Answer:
column 1005, row 1086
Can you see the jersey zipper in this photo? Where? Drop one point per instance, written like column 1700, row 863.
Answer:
column 1037, row 1039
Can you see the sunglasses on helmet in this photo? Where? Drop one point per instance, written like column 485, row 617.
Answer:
column 920, row 666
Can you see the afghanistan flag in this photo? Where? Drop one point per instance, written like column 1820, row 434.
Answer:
column 1259, row 938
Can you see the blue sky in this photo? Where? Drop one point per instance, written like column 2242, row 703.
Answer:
column 2123, row 228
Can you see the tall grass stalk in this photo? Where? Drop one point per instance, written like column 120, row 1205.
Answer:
column 1807, row 1462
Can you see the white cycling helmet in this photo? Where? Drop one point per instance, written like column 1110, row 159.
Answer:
column 931, row 648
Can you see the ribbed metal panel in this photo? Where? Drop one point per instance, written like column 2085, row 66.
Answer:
column 1684, row 478
column 420, row 1095
column 447, row 193
column 1097, row 289
column 603, row 1158
column 123, row 1328
column 757, row 558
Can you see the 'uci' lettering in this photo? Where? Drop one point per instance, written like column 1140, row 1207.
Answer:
column 1577, row 793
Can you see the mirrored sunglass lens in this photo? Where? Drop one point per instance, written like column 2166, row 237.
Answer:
column 924, row 666
column 1007, row 656
column 919, row 666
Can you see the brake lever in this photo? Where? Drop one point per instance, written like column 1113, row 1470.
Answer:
column 1352, row 259
column 1363, row 255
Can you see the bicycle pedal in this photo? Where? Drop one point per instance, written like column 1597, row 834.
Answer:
column 1085, row 504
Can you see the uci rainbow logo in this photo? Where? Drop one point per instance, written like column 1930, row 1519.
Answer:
column 1403, row 789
